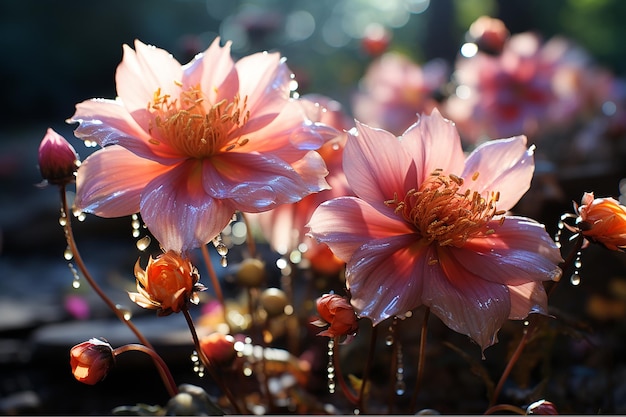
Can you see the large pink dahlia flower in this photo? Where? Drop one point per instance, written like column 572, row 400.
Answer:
column 429, row 228
column 188, row 145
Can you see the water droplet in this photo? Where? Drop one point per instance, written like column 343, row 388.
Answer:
column 136, row 233
column 247, row 369
column 400, row 388
column 578, row 263
column 68, row 254
column 135, row 224
column 62, row 220
column 76, row 283
column 222, row 249
column 143, row 243
column 224, row 262
column 575, row 278
column 389, row 340
column 560, row 225
column 126, row 313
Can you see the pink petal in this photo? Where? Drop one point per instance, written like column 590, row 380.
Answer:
column 107, row 122
column 346, row 223
column 377, row 166
column 465, row 302
column 141, row 73
column 265, row 79
column 519, row 251
column 385, row 277
column 255, row 182
column 504, row 165
column 527, row 298
column 104, row 186
column 178, row 212
column 214, row 70
column 433, row 143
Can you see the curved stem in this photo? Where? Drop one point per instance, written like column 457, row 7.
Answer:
column 206, row 361
column 342, row 382
column 368, row 367
column 164, row 371
column 421, row 361
column 249, row 237
column 214, row 280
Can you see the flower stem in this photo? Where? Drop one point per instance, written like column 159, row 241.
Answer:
column 249, row 237
column 69, row 236
column 420, row 362
column 206, row 361
column 164, row 371
column 342, row 382
column 214, row 280
column 366, row 371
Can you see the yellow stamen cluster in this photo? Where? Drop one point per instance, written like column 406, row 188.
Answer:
column 195, row 128
column 443, row 215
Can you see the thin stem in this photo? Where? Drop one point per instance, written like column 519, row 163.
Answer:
column 421, row 360
column 78, row 260
column 164, row 371
column 342, row 382
column 208, row 364
column 249, row 237
column 214, row 280
column 368, row 367
column 567, row 263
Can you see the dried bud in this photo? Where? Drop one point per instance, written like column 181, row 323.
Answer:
column 602, row 220
column 219, row 348
column 251, row 272
column 542, row 407
column 339, row 313
column 91, row 361
column 274, row 301
column 58, row 160
column 167, row 284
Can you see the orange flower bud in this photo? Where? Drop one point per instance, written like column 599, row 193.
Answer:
column 91, row 360
column 602, row 220
column 58, row 160
column 219, row 348
column 339, row 313
column 542, row 407
column 167, row 284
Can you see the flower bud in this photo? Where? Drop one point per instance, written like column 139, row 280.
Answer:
column 542, row 407
column 489, row 34
column 602, row 220
column 339, row 313
column 58, row 160
column 219, row 348
column 167, row 284
column 91, row 360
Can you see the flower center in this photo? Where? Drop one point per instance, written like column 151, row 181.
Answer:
column 195, row 128
column 442, row 214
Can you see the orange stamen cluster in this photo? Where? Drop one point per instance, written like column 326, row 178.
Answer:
column 194, row 128
column 442, row 214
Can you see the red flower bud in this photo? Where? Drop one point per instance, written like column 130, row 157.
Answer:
column 489, row 34
column 58, row 160
column 339, row 313
column 91, row 361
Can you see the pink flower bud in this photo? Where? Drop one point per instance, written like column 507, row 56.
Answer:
column 58, row 160
column 542, row 407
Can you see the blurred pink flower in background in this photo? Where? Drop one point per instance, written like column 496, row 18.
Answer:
column 427, row 228
column 188, row 146
column 529, row 88
column 395, row 89
column 284, row 226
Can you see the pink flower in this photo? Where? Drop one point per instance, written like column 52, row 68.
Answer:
column 427, row 228
column 187, row 146
column 528, row 88
column 285, row 226
column 395, row 89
